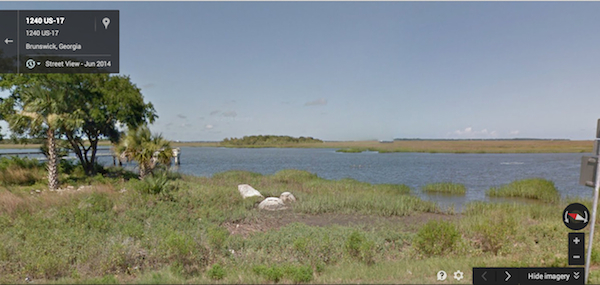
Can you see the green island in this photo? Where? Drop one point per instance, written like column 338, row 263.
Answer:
column 267, row 141
column 113, row 228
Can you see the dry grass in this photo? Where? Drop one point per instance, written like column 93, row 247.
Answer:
column 450, row 146
column 463, row 146
column 19, row 176
column 31, row 201
column 431, row 146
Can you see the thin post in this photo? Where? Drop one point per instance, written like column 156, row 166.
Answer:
column 593, row 221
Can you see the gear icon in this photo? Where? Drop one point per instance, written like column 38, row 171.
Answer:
column 458, row 275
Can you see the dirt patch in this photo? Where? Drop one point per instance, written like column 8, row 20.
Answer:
column 276, row 220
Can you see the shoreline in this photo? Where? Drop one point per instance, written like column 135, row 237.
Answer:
column 407, row 146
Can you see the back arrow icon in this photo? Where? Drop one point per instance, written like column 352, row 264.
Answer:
column 7, row 41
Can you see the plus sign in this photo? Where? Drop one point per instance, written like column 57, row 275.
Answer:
column 576, row 240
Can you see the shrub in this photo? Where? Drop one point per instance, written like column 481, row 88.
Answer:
column 299, row 274
column 495, row 231
column 271, row 273
column 436, row 238
column 15, row 161
column 217, row 272
column 156, row 184
column 360, row 248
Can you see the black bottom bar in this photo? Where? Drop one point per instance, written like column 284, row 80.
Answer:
column 528, row 275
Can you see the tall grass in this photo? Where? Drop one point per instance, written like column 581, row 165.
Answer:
column 20, row 171
column 445, row 188
column 534, row 188
column 103, row 235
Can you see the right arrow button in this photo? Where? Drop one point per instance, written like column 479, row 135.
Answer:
column 507, row 276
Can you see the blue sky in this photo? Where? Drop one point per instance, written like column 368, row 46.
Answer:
column 357, row 71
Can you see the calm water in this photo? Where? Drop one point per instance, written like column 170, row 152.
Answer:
column 478, row 172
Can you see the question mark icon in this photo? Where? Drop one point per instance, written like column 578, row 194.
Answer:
column 441, row 275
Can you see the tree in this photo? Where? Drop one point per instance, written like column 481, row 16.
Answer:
column 146, row 149
column 42, row 111
column 100, row 103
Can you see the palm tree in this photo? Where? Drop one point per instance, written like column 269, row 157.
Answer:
column 42, row 112
column 147, row 149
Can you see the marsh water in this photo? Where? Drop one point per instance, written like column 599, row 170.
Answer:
column 478, row 172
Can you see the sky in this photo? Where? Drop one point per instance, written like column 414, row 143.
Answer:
column 361, row 70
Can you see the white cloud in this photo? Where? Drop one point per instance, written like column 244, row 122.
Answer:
column 209, row 126
column 466, row 131
column 318, row 102
column 515, row 132
column 469, row 132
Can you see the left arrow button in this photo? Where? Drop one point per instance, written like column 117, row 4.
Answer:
column 8, row 41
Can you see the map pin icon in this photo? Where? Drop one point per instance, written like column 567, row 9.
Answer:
column 106, row 22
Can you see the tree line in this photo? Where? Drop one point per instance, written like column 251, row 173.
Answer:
column 267, row 140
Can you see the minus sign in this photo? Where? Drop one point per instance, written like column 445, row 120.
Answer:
column 576, row 256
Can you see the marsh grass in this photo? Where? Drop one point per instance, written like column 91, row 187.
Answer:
column 534, row 188
column 106, row 236
column 445, row 188
column 440, row 146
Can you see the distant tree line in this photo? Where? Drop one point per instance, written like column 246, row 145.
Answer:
column 267, row 140
column 482, row 139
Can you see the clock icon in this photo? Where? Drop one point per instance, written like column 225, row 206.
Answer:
column 30, row 63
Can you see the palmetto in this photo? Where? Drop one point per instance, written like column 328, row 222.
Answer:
column 43, row 111
column 146, row 148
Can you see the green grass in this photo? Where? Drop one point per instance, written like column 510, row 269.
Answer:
column 534, row 188
column 445, row 188
column 108, row 236
column 351, row 150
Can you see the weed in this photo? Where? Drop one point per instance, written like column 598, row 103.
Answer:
column 217, row 272
column 270, row 273
column 217, row 237
column 359, row 247
column 436, row 238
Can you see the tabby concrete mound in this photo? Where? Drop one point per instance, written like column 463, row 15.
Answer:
column 272, row 204
column 287, row 197
column 247, row 191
